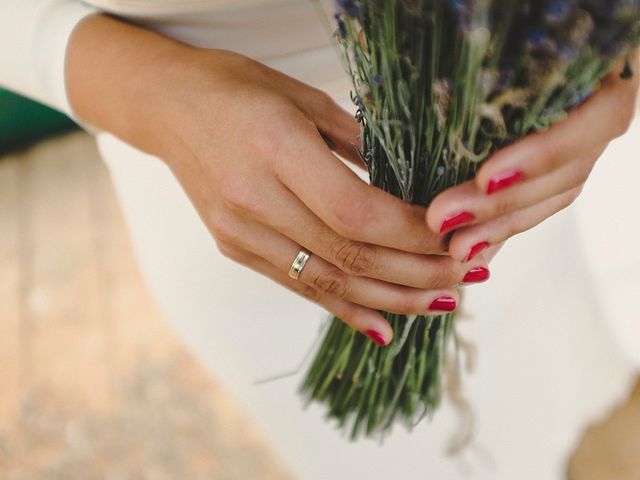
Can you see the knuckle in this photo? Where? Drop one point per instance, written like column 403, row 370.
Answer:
column 622, row 122
column 351, row 214
column 552, row 156
column 354, row 257
column 584, row 170
column 573, row 195
column 626, row 99
column 441, row 277
column 323, row 99
column 437, row 244
column 222, row 228
column 553, row 161
column 578, row 190
column 503, row 205
column 514, row 228
column 224, row 248
column 262, row 139
column 332, row 281
column 349, row 314
column 309, row 292
column 237, row 194
column 231, row 252
column 407, row 304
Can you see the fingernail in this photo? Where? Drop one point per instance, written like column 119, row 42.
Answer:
column 503, row 180
column 476, row 250
column 477, row 275
column 376, row 337
column 456, row 220
column 443, row 304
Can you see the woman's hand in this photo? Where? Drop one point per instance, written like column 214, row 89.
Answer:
column 252, row 148
column 531, row 180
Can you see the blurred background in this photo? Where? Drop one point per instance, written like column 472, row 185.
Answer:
column 93, row 383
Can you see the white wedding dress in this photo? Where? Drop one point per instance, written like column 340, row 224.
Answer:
column 555, row 330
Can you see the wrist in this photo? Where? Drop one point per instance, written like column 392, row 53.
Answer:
column 122, row 79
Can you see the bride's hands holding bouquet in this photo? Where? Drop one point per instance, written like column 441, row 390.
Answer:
column 252, row 148
column 527, row 182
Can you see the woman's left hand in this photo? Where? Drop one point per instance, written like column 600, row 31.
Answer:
column 527, row 182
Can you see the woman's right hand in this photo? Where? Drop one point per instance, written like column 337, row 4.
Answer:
column 252, row 148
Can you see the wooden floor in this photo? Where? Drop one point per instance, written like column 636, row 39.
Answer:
column 94, row 385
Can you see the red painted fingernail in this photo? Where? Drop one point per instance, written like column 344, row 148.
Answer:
column 477, row 275
column 443, row 304
column 376, row 337
column 456, row 220
column 476, row 250
column 503, row 180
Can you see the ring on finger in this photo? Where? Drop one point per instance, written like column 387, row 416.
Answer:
column 299, row 263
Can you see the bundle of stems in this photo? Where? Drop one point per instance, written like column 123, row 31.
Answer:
column 440, row 85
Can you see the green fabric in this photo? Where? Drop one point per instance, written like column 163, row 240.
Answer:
column 23, row 121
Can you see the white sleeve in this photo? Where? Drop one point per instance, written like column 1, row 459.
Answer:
column 33, row 41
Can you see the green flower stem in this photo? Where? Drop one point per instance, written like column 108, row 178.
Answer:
column 440, row 86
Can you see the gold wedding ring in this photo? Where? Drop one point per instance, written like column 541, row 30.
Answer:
column 299, row 263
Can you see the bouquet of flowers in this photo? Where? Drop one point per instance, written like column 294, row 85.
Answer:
column 440, row 85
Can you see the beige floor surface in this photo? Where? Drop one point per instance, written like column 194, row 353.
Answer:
column 93, row 383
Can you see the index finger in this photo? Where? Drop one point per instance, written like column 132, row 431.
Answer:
column 351, row 207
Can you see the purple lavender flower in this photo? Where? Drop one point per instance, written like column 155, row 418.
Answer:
column 342, row 28
column 350, row 7
column 558, row 11
column 463, row 11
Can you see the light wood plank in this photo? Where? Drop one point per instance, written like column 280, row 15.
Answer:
column 63, row 304
column 10, row 293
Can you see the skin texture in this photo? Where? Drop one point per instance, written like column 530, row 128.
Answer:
column 255, row 151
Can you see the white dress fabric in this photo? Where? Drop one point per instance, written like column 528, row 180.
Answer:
column 556, row 329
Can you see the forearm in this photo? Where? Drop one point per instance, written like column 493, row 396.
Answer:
column 122, row 79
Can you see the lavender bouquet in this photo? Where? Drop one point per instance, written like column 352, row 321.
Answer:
column 440, row 85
